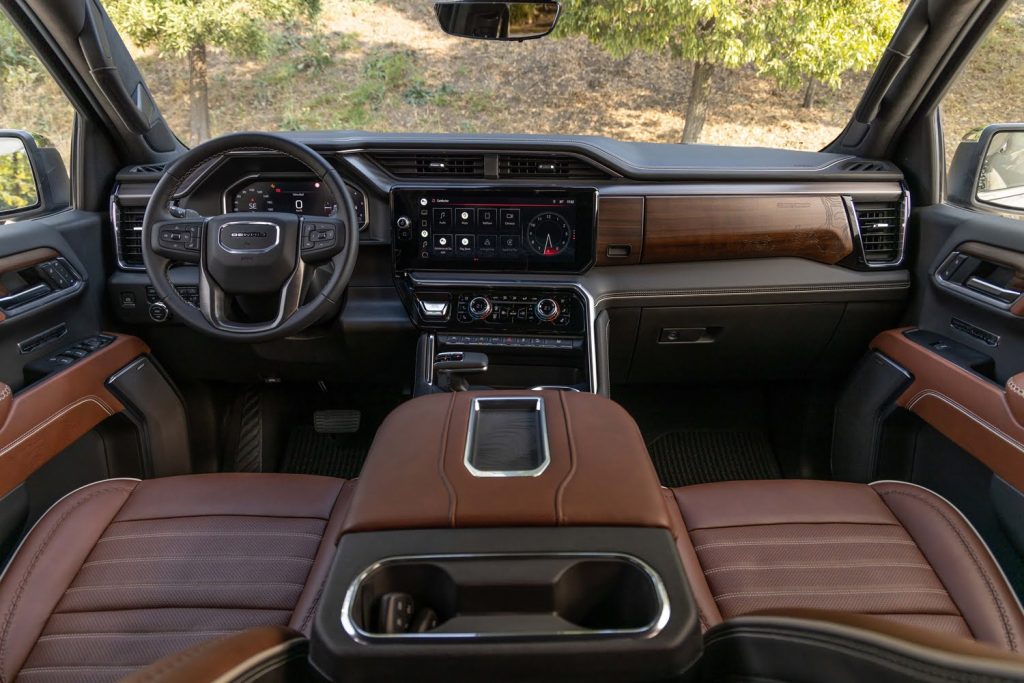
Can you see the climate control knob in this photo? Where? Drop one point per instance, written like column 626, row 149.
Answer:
column 546, row 310
column 479, row 308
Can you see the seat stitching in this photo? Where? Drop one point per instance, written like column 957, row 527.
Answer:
column 9, row 619
column 211, row 534
column 190, row 584
column 130, row 634
column 805, row 541
column 830, row 591
column 312, row 608
column 1000, row 607
column 817, row 565
column 54, row 417
column 198, row 558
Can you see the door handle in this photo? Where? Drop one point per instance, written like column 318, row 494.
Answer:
column 1001, row 293
column 24, row 296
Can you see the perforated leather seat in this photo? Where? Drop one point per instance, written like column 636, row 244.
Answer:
column 121, row 573
column 889, row 549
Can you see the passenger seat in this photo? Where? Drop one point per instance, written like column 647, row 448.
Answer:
column 123, row 572
column 889, row 549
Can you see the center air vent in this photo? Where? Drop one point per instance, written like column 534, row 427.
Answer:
column 881, row 231
column 428, row 165
column 527, row 166
column 128, row 230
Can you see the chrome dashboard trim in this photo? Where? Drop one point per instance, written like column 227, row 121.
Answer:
column 901, row 239
column 115, row 221
column 649, row 630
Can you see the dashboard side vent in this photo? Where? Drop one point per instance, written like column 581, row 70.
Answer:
column 149, row 168
column 881, row 231
column 538, row 166
column 430, row 165
column 865, row 166
column 128, row 231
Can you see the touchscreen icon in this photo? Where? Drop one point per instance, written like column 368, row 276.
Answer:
column 465, row 244
column 487, row 218
column 510, row 220
column 464, row 217
column 487, row 244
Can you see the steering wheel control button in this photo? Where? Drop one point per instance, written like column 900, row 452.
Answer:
column 158, row 312
column 180, row 236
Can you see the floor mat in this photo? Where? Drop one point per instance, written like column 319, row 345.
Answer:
column 330, row 455
column 690, row 457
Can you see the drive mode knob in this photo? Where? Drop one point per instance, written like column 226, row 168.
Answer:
column 546, row 310
column 479, row 308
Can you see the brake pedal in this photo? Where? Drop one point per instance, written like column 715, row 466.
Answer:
column 336, row 421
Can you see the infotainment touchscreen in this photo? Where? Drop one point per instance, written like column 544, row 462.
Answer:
column 523, row 229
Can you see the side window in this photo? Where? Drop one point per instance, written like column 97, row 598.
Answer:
column 983, row 122
column 37, row 121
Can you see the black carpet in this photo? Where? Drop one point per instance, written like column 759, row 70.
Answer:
column 330, row 455
column 690, row 457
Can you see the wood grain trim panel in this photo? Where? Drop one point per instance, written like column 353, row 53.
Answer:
column 24, row 259
column 38, row 423
column 970, row 411
column 707, row 228
column 620, row 223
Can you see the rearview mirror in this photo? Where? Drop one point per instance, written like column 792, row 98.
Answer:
column 988, row 169
column 497, row 20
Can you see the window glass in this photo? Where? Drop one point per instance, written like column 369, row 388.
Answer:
column 29, row 98
column 734, row 72
column 990, row 89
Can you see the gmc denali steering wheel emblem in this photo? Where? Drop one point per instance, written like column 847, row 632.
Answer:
column 249, row 237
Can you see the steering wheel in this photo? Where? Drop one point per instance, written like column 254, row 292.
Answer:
column 250, row 257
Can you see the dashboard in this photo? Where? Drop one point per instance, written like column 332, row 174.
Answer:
column 525, row 229
column 303, row 195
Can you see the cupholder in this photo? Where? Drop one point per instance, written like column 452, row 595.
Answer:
column 512, row 596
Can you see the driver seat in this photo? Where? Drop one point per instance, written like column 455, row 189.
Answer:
column 121, row 573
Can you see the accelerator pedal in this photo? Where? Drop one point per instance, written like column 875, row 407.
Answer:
column 336, row 421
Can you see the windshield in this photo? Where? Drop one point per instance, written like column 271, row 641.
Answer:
column 785, row 73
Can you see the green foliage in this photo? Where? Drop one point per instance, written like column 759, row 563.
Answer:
column 17, row 184
column 14, row 53
column 726, row 33
column 176, row 26
column 824, row 40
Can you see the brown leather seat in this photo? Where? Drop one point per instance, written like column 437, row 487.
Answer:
column 889, row 549
column 121, row 573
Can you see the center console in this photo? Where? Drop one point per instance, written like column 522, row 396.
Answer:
column 478, row 271
column 507, row 535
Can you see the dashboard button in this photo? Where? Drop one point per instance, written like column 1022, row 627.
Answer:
column 510, row 220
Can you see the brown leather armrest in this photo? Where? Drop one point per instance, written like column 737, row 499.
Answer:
column 226, row 659
column 1015, row 396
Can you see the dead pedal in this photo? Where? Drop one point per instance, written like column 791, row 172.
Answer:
column 336, row 421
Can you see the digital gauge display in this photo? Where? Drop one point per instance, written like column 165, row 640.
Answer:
column 300, row 196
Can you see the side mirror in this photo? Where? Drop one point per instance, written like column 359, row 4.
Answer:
column 33, row 179
column 497, row 20
column 988, row 169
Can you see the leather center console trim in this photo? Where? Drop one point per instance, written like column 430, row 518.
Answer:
column 45, row 418
column 600, row 473
column 971, row 411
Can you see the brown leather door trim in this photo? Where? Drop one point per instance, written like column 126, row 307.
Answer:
column 38, row 423
column 969, row 410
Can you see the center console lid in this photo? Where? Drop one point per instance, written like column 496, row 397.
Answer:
column 507, row 459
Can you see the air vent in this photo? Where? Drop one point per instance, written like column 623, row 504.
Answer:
column 428, row 165
column 881, row 232
column 128, row 229
column 864, row 166
column 151, row 168
column 527, row 166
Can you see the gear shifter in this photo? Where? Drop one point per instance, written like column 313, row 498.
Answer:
column 452, row 366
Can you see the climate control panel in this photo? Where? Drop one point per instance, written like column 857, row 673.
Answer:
column 499, row 310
